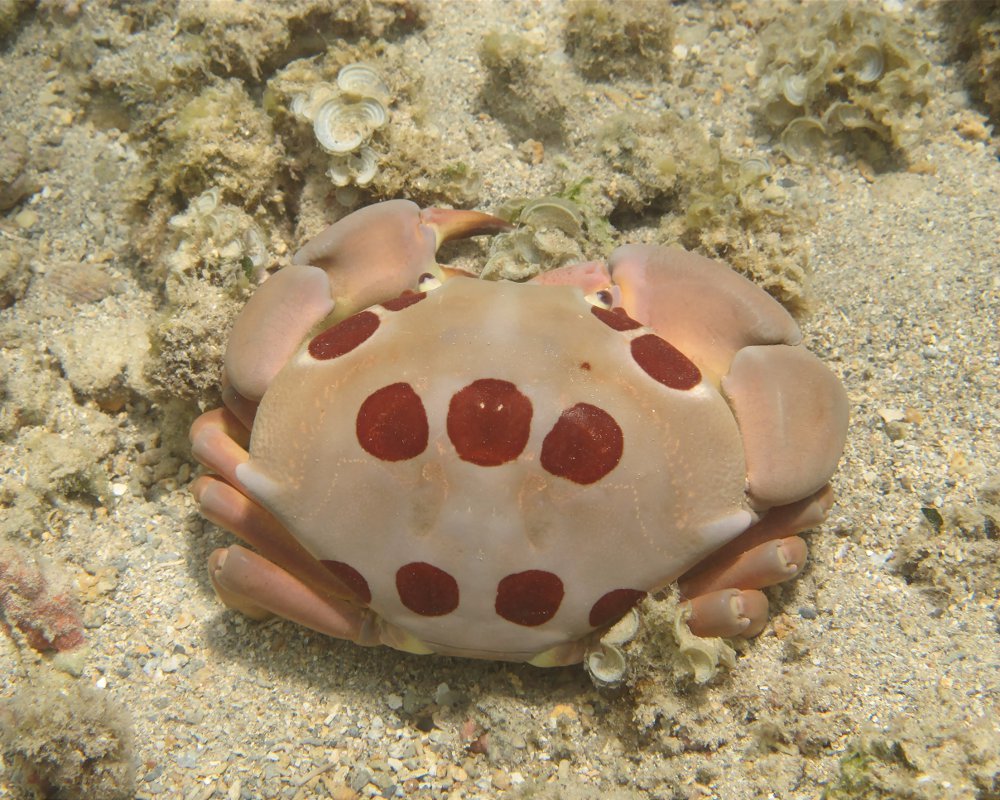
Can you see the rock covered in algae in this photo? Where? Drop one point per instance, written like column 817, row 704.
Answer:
column 189, row 342
column 222, row 139
column 215, row 256
column 406, row 155
column 179, row 84
column 64, row 740
column 653, row 156
column 251, row 37
column 11, row 12
column 216, row 242
column 549, row 234
column 622, row 39
column 16, row 178
column 729, row 208
column 844, row 73
column 976, row 28
column 896, row 758
column 14, row 274
column 739, row 213
column 179, row 42
column 955, row 551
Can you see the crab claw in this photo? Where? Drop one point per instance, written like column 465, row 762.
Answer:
column 698, row 305
column 792, row 410
column 590, row 276
column 380, row 250
column 369, row 256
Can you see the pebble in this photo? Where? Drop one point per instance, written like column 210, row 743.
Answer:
column 26, row 219
column 173, row 663
column 360, row 778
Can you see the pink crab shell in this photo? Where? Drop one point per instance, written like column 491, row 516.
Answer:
column 498, row 469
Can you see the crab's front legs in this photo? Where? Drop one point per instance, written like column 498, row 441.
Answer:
column 286, row 580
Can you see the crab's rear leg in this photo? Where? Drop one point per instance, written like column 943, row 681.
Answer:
column 724, row 591
column 791, row 409
column 285, row 580
column 251, row 584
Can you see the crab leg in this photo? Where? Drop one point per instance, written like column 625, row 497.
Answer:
column 253, row 585
column 222, row 501
column 219, row 441
column 723, row 595
column 765, row 554
column 728, row 613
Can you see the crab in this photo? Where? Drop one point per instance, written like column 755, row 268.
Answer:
column 443, row 464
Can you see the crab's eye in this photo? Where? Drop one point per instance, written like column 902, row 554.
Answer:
column 601, row 299
column 427, row 282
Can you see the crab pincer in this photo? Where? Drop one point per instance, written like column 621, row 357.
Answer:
column 373, row 254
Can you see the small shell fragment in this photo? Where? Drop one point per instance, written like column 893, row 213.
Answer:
column 343, row 127
column 848, row 116
column 606, row 665
column 869, row 63
column 624, row 630
column 306, row 106
column 299, row 105
column 339, row 172
column 363, row 165
column 794, row 88
column 753, row 169
column 552, row 212
column 361, row 80
column 358, row 168
column 207, row 201
column 255, row 248
column 802, row 137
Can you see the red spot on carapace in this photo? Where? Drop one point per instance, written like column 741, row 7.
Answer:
column 392, row 423
column 584, row 445
column 426, row 590
column 529, row 598
column 344, row 336
column 406, row 299
column 665, row 363
column 612, row 606
column 585, row 365
column 351, row 578
column 489, row 421
column 615, row 318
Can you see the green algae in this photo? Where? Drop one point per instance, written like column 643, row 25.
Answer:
column 622, row 39
column 976, row 34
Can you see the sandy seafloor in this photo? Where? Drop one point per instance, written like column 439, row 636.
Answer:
column 882, row 654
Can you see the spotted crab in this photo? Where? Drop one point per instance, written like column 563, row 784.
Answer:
column 501, row 470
